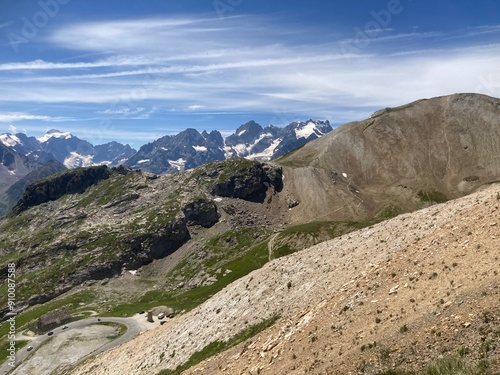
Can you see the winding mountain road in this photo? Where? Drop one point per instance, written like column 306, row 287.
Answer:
column 133, row 329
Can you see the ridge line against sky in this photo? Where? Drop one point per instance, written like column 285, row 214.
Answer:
column 134, row 72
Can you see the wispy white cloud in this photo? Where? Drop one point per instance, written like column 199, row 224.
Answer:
column 115, row 61
column 21, row 116
column 385, row 37
column 152, row 34
column 129, row 112
column 201, row 69
column 195, row 107
column 480, row 30
column 319, row 81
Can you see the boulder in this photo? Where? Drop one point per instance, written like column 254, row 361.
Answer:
column 250, row 183
column 201, row 212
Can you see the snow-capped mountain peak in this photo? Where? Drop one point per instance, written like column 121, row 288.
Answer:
column 306, row 129
column 53, row 133
column 9, row 140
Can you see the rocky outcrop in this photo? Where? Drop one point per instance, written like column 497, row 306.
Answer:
column 143, row 249
column 250, row 183
column 74, row 181
column 201, row 212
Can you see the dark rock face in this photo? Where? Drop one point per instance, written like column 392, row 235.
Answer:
column 250, row 183
column 113, row 153
column 136, row 251
column 6, row 157
column 175, row 153
column 245, row 134
column 70, row 182
column 145, row 248
column 201, row 212
column 42, row 298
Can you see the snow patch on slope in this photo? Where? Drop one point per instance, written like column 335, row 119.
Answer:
column 200, row 148
column 76, row 160
column 268, row 153
column 244, row 150
column 178, row 164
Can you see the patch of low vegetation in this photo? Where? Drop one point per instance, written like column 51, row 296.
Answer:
column 5, row 346
column 217, row 347
column 432, row 196
column 302, row 236
column 448, row 366
column 471, row 178
column 298, row 237
column 388, row 213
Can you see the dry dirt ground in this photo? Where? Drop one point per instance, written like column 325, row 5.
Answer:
column 65, row 349
column 401, row 293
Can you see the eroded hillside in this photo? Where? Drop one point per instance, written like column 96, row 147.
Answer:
column 400, row 159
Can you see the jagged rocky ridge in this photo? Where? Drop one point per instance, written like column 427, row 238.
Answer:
column 190, row 148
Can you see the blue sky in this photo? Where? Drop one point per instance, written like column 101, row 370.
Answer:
column 134, row 71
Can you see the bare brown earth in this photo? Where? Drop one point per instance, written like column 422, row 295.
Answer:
column 449, row 145
column 402, row 293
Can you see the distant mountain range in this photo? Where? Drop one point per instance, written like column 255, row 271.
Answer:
column 190, row 148
column 67, row 149
column 24, row 159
